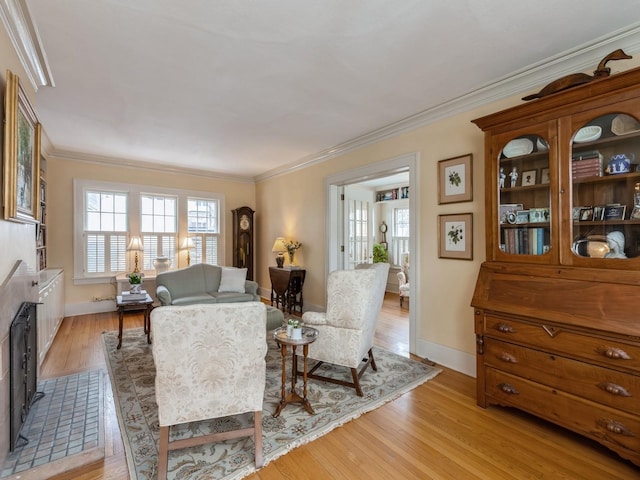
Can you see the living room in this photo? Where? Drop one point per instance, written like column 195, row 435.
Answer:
column 291, row 200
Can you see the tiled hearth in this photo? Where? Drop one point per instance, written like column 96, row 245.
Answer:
column 66, row 422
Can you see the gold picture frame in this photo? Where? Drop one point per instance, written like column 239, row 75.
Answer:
column 21, row 159
column 455, row 179
column 455, row 233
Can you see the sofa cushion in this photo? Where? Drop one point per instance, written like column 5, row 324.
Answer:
column 232, row 297
column 232, row 280
column 194, row 298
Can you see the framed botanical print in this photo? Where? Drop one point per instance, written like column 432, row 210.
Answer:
column 455, row 234
column 455, row 179
column 21, row 159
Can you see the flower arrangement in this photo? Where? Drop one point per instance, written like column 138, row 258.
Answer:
column 292, row 246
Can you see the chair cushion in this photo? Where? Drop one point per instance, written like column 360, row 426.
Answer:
column 232, row 280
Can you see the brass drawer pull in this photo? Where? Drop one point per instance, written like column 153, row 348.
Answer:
column 507, row 357
column 505, row 328
column 614, row 427
column 614, row 389
column 506, row 388
column 614, row 353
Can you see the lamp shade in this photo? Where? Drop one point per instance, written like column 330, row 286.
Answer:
column 135, row 245
column 278, row 246
column 188, row 243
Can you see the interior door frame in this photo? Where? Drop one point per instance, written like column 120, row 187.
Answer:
column 333, row 188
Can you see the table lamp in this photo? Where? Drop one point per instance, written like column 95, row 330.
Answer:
column 279, row 248
column 188, row 245
column 135, row 245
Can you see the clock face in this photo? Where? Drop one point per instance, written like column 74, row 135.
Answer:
column 244, row 222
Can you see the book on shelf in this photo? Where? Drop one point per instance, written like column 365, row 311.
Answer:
column 127, row 296
column 582, row 156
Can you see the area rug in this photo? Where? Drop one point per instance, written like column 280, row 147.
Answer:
column 132, row 374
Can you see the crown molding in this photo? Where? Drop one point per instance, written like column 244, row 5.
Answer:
column 26, row 41
column 67, row 155
column 582, row 58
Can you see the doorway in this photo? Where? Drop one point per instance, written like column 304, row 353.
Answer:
column 334, row 185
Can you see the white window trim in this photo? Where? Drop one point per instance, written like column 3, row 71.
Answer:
column 80, row 186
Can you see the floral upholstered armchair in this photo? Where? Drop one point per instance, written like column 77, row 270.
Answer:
column 354, row 301
column 210, row 363
column 403, row 278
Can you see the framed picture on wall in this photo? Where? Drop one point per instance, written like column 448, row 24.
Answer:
column 455, row 179
column 21, row 163
column 455, row 234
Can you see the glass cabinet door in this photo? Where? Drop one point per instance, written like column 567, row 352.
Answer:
column 605, row 179
column 524, row 207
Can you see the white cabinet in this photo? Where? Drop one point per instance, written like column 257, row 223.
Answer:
column 50, row 309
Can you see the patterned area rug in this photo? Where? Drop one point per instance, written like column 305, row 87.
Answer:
column 132, row 374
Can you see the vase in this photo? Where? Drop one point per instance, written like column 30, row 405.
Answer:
column 161, row 264
column 135, row 287
column 291, row 255
column 296, row 334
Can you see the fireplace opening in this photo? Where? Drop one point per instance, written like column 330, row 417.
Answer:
column 23, row 345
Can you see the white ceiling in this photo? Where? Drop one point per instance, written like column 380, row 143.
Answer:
column 245, row 88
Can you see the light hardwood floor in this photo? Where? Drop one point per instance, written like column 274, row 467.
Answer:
column 435, row 431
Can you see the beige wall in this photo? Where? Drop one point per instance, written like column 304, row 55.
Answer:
column 60, row 176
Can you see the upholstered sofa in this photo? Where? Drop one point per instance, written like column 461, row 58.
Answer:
column 203, row 283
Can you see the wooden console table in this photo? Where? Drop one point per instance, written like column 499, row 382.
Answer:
column 286, row 288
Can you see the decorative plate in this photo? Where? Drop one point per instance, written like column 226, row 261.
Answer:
column 517, row 147
column 588, row 134
column 624, row 124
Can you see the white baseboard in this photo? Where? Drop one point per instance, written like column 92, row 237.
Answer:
column 447, row 357
column 73, row 309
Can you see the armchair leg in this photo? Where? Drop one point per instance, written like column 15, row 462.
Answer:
column 355, row 374
column 163, row 453
column 257, row 437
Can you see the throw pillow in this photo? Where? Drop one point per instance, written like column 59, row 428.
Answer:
column 232, row 280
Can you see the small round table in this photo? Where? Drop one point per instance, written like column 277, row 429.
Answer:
column 309, row 335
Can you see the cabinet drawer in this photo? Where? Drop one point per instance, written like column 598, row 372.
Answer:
column 618, row 430
column 561, row 340
column 603, row 385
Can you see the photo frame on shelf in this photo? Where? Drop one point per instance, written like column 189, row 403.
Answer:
column 455, row 179
column 544, row 176
column 529, row 178
column 21, row 162
column 506, row 208
column 455, row 234
column 614, row 212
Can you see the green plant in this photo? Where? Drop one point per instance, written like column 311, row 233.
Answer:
column 380, row 253
column 135, row 278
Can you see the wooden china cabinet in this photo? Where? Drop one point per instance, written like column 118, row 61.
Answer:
column 557, row 302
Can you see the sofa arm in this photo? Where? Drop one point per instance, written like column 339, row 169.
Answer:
column 251, row 287
column 163, row 295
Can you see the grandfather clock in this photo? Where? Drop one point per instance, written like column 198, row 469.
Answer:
column 243, row 239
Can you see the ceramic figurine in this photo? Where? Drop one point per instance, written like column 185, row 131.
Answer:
column 514, row 177
column 615, row 240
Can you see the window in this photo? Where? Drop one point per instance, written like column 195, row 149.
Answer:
column 358, row 231
column 204, row 230
column 158, row 227
column 105, row 232
column 109, row 214
column 400, row 240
